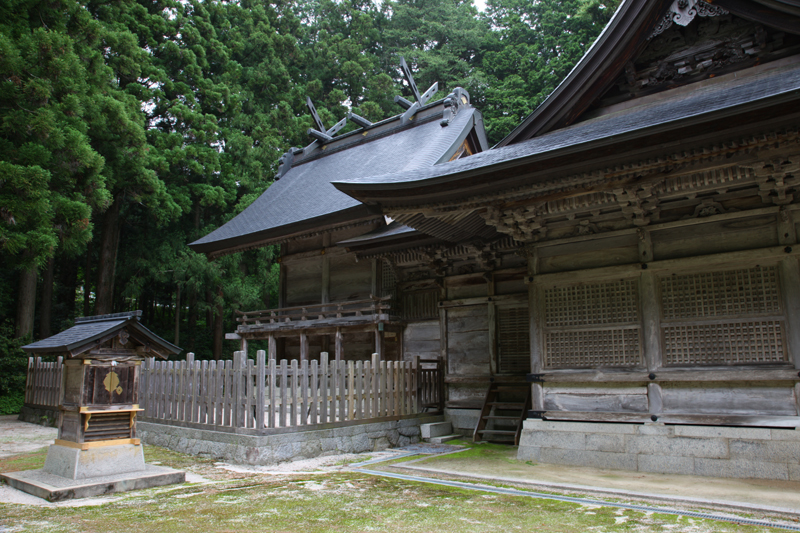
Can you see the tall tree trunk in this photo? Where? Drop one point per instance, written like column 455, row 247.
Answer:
column 104, row 297
column 177, row 314
column 192, row 320
column 46, row 310
column 87, row 282
column 67, row 275
column 26, row 304
column 218, row 330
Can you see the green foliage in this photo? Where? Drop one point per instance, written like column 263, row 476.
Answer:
column 13, row 368
column 177, row 112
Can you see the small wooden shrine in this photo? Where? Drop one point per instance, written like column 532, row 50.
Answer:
column 97, row 448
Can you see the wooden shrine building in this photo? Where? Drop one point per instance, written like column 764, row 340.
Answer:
column 629, row 252
column 331, row 300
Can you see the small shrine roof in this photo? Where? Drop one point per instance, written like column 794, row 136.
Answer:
column 89, row 330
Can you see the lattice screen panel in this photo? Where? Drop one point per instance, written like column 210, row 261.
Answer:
column 594, row 348
column 752, row 291
column 714, row 344
column 593, row 325
column 513, row 341
column 592, row 304
column 388, row 279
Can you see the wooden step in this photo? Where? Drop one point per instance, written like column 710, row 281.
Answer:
column 492, row 405
column 508, row 405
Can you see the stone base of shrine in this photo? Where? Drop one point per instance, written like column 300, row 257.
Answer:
column 72, row 472
column 289, row 444
column 710, row 451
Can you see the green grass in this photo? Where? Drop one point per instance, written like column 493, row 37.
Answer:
column 25, row 461
column 331, row 502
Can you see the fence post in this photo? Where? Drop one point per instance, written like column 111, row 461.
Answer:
column 260, row 382
column 236, row 398
column 323, row 384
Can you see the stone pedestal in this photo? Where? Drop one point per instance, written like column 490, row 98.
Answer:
column 75, row 463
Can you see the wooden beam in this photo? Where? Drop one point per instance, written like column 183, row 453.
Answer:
column 326, row 250
column 338, row 349
column 482, row 300
column 744, row 373
column 758, row 256
column 536, row 331
column 272, row 346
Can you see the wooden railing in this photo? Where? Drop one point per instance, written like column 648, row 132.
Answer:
column 43, row 384
column 371, row 306
column 263, row 396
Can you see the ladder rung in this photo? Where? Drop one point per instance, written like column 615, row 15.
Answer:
column 508, row 405
column 498, row 431
column 494, row 417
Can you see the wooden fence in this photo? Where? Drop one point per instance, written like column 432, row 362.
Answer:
column 43, row 385
column 267, row 396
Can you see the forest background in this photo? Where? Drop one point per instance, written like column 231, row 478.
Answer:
column 130, row 128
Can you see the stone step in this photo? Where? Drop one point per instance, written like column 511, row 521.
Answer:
column 445, row 438
column 435, row 429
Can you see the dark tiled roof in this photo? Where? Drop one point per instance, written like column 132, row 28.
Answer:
column 303, row 198
column 684, row 104
column 89, row 329
column 394, row 229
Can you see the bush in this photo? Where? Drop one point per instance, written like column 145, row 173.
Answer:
column 13, row 371
column 11, row 404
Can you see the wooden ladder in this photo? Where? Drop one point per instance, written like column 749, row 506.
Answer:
column 505, row 427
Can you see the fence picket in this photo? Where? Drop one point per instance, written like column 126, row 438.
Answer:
column 265, row 393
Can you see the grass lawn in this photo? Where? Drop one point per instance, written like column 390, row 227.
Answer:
column 329, row 501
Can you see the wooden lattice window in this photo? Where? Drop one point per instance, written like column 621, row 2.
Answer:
column 513, row 340
column 593, row 325
column 421, row 305
column 723, row 318
column 388, row 279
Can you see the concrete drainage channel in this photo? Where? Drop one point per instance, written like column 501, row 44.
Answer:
column 422, row 450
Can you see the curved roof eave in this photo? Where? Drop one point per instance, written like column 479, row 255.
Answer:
column 625, row 33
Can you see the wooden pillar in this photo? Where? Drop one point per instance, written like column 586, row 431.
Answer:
column 326, row 270
column 375, row 287
column 787, row 234
column 790, row 288
column 304, row 346
column 536, row 315
column 272, row 346
column 282, row 281
column 651, row 333
column 243, row 345
column 379, row 342
column 339, row 352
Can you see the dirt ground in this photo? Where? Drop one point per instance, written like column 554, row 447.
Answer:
column 314, row 496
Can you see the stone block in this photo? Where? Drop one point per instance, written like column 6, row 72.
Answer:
column 554, row 439
column 528, row 453
column 794, row 472
column 741, row 468
column 435, row 429
column 665, row 464
column 677, row 446
column 578, row 427
column 74, row 463
column 785, row 434
column 617, row 461
column 606, row 442
column 769, row 451
column 720, row 432
column 655, row 429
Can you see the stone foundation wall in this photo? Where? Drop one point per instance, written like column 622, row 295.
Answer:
column 39, row 415
column 697, row 450
column 272, row 449
column 464, row 421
